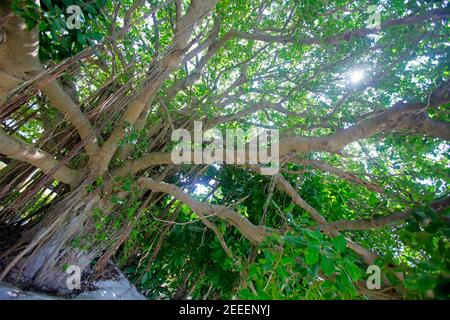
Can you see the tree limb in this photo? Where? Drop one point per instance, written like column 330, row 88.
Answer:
column 170, row 62
column 20, row 150
column 253, row 233
column 379, row 222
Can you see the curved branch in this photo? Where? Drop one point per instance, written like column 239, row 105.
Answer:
column 340, row 173
column 379, row 222
column 19, row 59
column 64, row 103
column 368, row 256
column 20, row 150
column 345, row 36
column 255, row 234
column 401, row 116
column 170, row 62
column 398, row 117
column 190, row 79
column 421, row 123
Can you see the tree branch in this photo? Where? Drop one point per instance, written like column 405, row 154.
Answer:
column 20, row 150
column 253, row 233
column 345, row 36
column 64, row 103
column 379, row 222
column 170, row 62
column 340, row 173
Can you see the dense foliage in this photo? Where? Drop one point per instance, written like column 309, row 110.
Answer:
column 374, row 192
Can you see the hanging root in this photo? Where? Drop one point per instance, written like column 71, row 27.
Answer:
column 49, row 249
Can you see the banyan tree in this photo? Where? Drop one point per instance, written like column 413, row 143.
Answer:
column 357, row 91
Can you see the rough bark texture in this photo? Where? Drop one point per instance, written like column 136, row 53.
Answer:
column 38, row 258
column 47, row 249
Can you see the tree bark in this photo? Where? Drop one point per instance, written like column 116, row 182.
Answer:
column 44, row 252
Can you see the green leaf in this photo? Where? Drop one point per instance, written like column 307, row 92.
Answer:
column 269, row 256
column 316, row 235
column 282, row 273
column 426, row 282
column 352, row 269
column 373, row 200
column 42, row 26
column 245, row 293
column 81, row 38
column 327, row 265
column 47, row 3
column 345, row 284
column 285, row 261
column 339, row 243
column 311, row 255
column 296, row 241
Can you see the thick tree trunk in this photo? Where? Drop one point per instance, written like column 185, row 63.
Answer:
column 48, row 248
